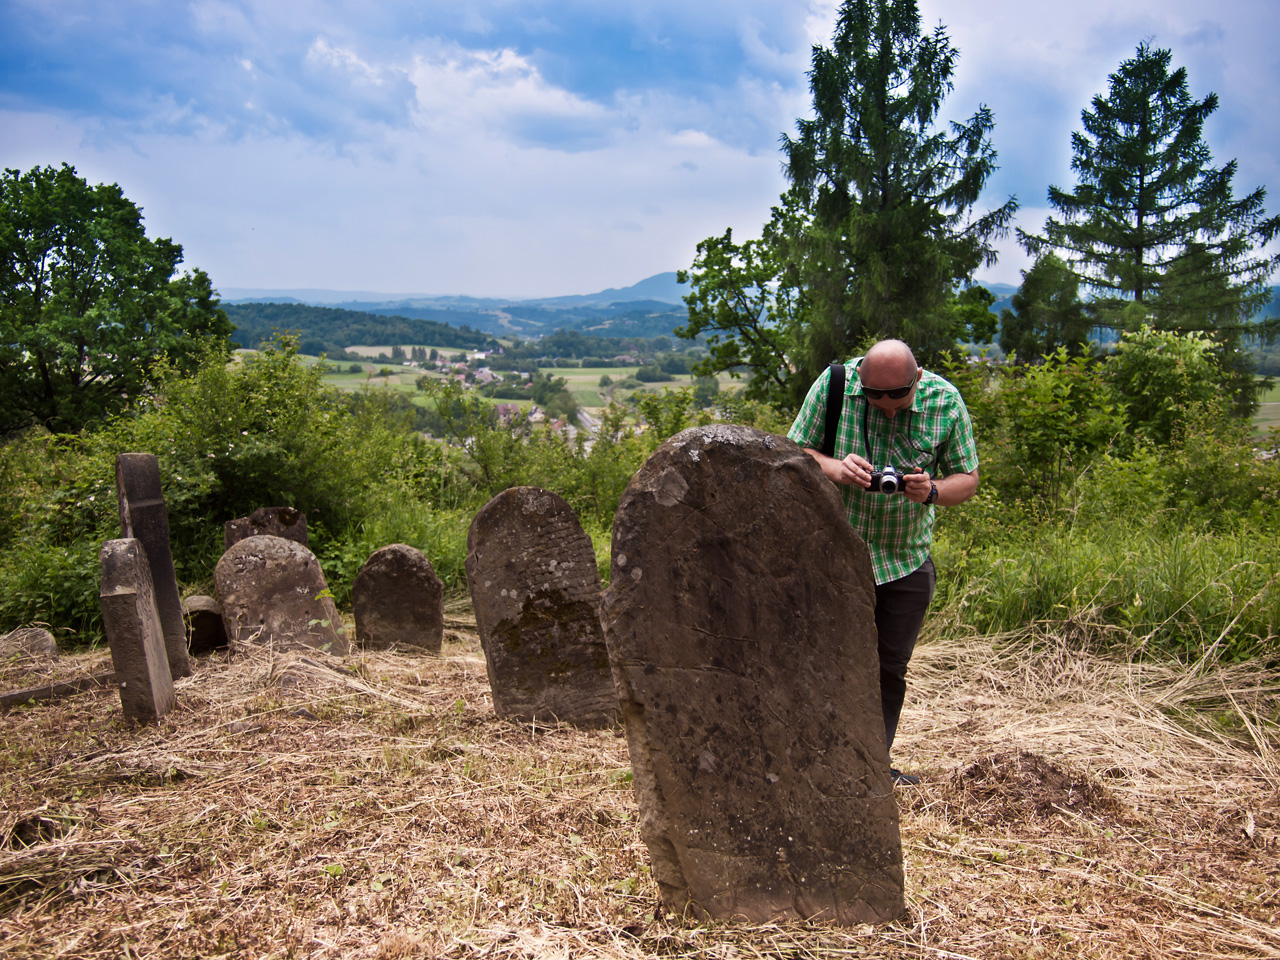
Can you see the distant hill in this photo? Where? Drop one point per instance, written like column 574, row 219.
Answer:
column 651, row 308
column 661, row 287
column 322, row 329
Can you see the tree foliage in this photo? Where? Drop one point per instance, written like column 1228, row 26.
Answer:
column 1164, row 377
column 747, row 301
column 88, row 303
column 1047, row 313
column 878, row 228
column 891, row 198
column 1152, row 226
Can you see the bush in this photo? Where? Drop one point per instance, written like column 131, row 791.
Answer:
column 230, row 439
column 652, row 374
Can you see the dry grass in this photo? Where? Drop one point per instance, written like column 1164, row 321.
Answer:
column 305, row 806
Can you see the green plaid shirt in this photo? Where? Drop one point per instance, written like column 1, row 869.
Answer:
column 934, row 434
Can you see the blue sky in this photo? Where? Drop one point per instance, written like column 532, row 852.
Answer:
column 529, row 148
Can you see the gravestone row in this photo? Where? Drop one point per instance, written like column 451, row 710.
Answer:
column 744, row 676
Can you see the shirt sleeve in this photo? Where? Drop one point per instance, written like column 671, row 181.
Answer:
column 810, row 422
column 960, row 451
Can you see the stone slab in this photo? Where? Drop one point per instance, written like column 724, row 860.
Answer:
column 287, row 522
column 535, row 587
column 273, row 591
column 398, row 601
column 132, row 625
column 143, row 517
column 740, row 625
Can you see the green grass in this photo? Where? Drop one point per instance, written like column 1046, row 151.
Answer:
column 1177, row 593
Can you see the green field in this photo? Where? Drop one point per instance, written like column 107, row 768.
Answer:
column 582, row 382
column 1268, row 416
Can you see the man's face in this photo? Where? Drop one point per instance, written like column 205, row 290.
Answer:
column 889, row 377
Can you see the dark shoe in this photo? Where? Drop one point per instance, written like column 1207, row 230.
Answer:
column 901, row 779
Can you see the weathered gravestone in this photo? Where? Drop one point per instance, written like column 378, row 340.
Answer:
column 286, row 522
column 398, row 600
column 536, row 592
column 205, row 630
column 740, row 625
column 132, row 625
column 273, row 591
column 35, row 643
column 143, row 517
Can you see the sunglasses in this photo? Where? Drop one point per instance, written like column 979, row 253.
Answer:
column 897, row 393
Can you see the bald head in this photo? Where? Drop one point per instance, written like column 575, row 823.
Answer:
column 888, row 363
column 889, row 374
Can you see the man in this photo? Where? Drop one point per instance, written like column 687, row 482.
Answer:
column 895, row 414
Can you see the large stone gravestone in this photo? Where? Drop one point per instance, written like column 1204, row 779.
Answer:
column 132, row 625
column 740, row 625
column 398, row 601
column 287, row 522
column 535, row 588
column 143, row 517
column 273, row 591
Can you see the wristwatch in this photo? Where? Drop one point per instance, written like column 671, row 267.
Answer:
column 933, row 494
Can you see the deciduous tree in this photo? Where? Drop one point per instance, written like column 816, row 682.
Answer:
column 1047, row 313
column 88, row 303
column 745, row 299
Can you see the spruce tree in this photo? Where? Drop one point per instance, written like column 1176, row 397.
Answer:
column 889, row 196
column 1152, row 226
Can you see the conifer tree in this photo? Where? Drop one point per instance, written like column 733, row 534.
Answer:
column 890, row 196
column 877, row 230
column 1152, row 226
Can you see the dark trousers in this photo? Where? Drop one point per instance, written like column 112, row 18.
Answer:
column 900, row 610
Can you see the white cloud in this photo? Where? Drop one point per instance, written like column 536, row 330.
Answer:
column 290, row 143
column 457, row 89
column 325, row 53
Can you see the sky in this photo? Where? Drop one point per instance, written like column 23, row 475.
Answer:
column 538, row 148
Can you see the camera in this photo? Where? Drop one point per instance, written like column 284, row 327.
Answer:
column 887, row 480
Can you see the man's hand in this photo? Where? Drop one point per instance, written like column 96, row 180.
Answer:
column 917, row 485
column 852, row 470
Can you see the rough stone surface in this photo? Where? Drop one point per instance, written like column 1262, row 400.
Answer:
column 286, row 522
column 132, row 625
column 398, row 601
column 740, row 626
column 34, row 642
column 205, row 630
column 273, row 591
column 536, row 592
column 143, row 517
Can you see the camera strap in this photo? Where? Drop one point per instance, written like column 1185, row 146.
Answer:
column 835, row 405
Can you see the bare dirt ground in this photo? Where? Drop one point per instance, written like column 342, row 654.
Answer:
column 307, row 806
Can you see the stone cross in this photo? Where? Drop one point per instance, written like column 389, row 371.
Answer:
column 535, row 588
column 143, row 517
column 132, row 625
column 740, row 624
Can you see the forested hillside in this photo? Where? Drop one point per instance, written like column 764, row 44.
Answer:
column 328, row 329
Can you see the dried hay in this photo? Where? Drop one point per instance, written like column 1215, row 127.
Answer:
column 303, row 805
